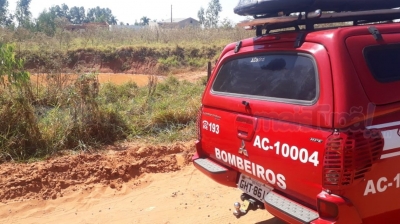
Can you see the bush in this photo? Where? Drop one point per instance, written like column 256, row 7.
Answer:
column 19, row 132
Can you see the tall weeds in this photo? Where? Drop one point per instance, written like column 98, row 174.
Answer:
column 93, row 115
column 103, row 39
column 19, row 133
column 43, row 114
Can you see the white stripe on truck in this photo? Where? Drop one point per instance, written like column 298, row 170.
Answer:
column 384, row 125
column 385, row 156
column 391, row 137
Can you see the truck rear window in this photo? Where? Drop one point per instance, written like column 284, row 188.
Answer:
column 384, row 62
column 277, row 76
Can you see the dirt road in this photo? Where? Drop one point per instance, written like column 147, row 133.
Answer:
column 127, row 184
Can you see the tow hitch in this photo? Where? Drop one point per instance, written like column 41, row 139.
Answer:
column 248, row 204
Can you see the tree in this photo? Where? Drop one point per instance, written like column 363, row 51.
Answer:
column 6, row 18
column 46, row 22
column 77, row 15
column 200, row 15
column 212, row 13
column 3, row 11
column 144, row 21
column 61, row 11
column 22, row 13
column 210, row 17
column 226, row 23
column 65, row 10
column 11, row 66
column 101, row 15
column 3, row 8
column 113, row 20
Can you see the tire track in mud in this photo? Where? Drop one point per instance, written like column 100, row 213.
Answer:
column 52, row 178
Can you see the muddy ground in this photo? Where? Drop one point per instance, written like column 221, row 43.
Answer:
column 125, row 184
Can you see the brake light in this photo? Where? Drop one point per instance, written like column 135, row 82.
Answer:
column 349, row 156
column 327, row 210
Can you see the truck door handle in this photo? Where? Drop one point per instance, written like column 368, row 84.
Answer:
column 246, row 126
column 243, row 135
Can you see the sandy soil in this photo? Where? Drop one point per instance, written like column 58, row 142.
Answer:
column 127, row 184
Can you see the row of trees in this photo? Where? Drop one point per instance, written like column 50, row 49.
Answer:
column 57, row 16
column 48, row 18
column 209, row 18
column 78, row 15
column 22, row 13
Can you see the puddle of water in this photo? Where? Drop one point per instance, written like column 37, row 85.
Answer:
column 141, row 80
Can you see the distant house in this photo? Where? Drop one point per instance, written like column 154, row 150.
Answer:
column 179, row 23
column 125, row 27
column 86, row 26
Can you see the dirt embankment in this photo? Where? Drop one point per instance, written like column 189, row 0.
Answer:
column 132, row 60
column 53, row 178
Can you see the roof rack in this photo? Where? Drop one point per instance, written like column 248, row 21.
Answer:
column 317, row 17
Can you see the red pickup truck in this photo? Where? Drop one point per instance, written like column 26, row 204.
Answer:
column 306, row 122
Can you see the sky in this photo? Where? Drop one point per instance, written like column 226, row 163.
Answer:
column 129, row 11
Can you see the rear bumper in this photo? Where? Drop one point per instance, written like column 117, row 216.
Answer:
column 221, row 174
column 278, row 205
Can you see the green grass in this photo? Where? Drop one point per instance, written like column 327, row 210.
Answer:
column 170, row 109
column 86, row 115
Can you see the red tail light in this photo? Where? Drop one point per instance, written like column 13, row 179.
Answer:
column 349, row 156
column 327, row 210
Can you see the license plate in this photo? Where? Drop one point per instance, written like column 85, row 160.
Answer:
column 253, row 187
